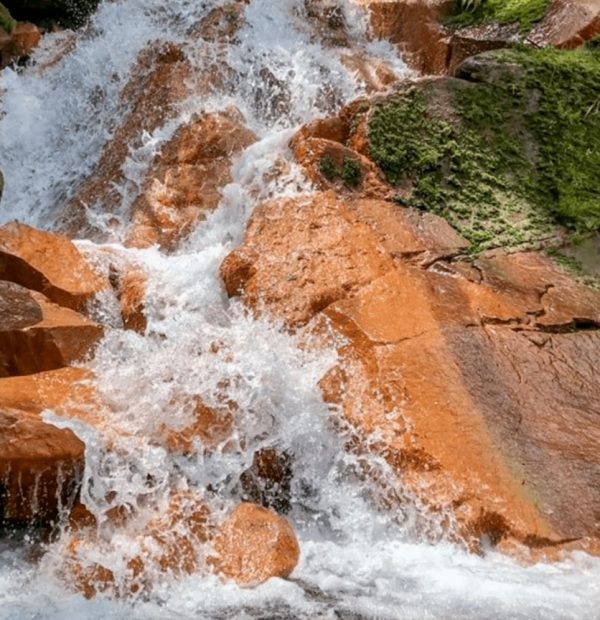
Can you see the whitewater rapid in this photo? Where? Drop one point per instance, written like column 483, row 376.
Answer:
column 357, row 561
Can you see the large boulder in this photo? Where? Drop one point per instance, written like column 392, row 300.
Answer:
column 37, row 335
column 48, row 263
column 436, row 364
column 40, row 465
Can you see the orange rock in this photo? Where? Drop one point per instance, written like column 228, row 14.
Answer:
column 337, row 248
column 40, row 464
column 253, row 545
column 19, row 44
column 210, row 426
column 415, row 26
column 37, row 335
column 170, row 543
column 131, row 293
column 444, row 362
column 158, row 84
column 186, row 178
column 47, row 263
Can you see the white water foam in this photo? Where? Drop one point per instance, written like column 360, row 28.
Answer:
column 357, row 562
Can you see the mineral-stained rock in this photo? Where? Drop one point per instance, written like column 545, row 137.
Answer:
column 186, row 178
column 18, row 45
column 37, row 335
column 47, row 263
column 463, row 376
column 253, row 545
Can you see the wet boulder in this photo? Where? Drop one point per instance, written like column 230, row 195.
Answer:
column 37, row 335
column 437, row 352
column 186, row 178
column 47, row 263
column 253, row 545
column 40, row 464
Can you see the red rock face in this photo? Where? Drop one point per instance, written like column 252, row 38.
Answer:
column 440, row 358
column 415, row 26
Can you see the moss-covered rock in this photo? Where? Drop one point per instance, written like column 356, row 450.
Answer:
column 524, row 12
column 508, row 154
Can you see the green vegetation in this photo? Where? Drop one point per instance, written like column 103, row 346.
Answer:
column 328, row 168
column 7, row 23
column 524, row 12
column 509, row 159
column 350, row 172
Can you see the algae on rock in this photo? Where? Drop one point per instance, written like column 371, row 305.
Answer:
column 508, row 154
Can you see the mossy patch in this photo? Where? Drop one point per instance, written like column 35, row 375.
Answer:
column 524, row 12
column 505, row 161
column 350, row 172
column 7, row 23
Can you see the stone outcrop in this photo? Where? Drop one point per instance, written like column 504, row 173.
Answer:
column 250, row 546
column 37, row 335
column 437, row 365
column 567, row 24
column 158, row 84
column 40, row 465
column 432, row 45
column 47, row 263
column 186, row 177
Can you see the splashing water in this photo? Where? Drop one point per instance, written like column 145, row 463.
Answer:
column 357, row 562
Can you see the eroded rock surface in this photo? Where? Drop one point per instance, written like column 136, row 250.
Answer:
column 438, row 359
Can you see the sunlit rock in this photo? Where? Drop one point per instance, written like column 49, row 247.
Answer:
column 253, row 545
column 47, row 263
column 37, row 335
column 421, row 330
column 186, row 178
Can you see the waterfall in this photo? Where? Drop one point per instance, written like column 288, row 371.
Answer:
column 358, row 560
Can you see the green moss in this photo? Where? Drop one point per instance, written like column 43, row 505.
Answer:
column 328, row 168
column 513, row 158
column 524, row 12
column 7, row 23
column 350, row 172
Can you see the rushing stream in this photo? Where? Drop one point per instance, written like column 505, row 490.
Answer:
column 357, row 561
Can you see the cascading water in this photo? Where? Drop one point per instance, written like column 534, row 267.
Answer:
column 357, row 561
